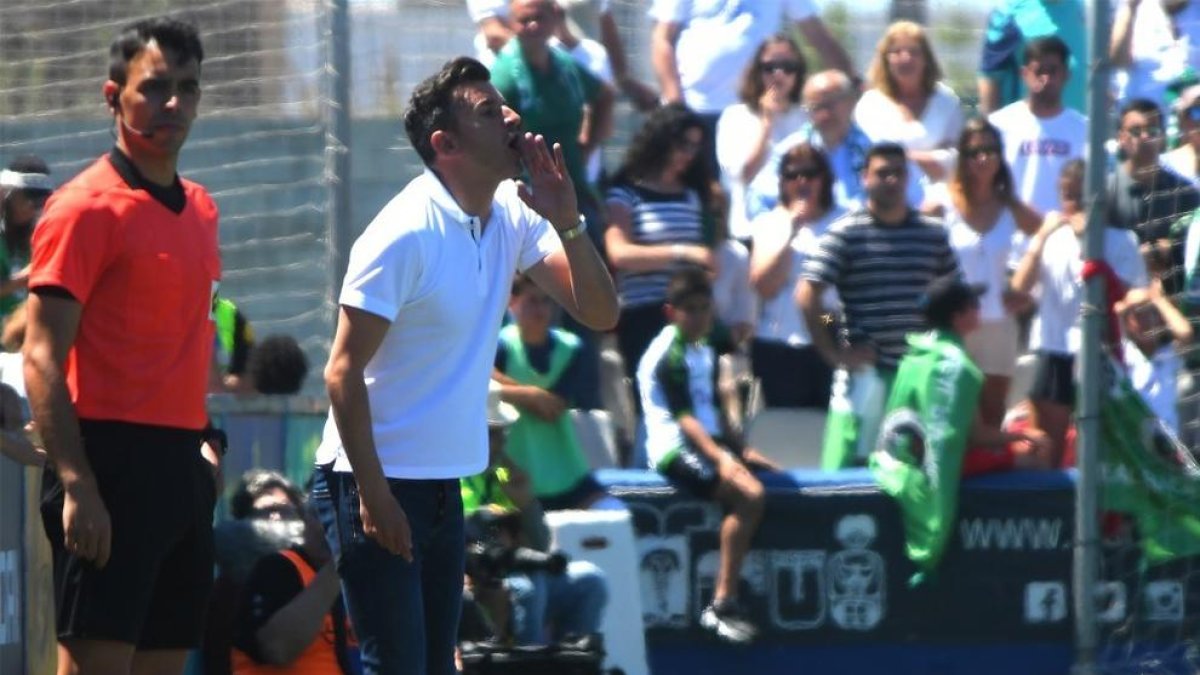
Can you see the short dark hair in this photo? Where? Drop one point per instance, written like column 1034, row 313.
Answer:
column 256, row 483
column 277, row 365
column 888, row 149
column 689, row 282
column 1139, row 105
column 173, row 35
column 1039, row 48
column 430, row 108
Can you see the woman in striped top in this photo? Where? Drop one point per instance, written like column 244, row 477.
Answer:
column 660, row 218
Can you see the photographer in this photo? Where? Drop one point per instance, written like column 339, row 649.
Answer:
column 507, row 550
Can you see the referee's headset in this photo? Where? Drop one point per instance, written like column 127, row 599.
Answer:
column 115, row 102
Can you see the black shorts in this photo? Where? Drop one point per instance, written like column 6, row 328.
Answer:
column 1054, row 379
column 160, row 495
column 694, row 473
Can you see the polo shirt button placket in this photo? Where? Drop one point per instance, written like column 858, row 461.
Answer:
column 477, row 236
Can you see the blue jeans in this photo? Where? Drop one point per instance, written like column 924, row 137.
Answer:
column 405, row 615
column 573, row 602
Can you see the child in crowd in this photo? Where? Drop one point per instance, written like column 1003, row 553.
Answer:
column 538, row 367
column 1154, row 332
column 688, row 441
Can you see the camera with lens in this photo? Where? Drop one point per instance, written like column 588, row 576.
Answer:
column 493, row 553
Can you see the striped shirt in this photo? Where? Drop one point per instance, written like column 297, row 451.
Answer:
column 881, row 272
column 656, row 218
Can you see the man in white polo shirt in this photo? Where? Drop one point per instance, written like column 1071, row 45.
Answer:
column 420, row 310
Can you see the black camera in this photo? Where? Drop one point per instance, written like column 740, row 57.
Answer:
column 490, row 558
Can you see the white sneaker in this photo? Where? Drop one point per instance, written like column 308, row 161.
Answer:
column 729, row 622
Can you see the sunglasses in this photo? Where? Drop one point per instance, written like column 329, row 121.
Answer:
column 808, row 172
column 789, row 67
column 981, row 152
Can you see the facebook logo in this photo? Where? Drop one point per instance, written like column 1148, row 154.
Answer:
column 1045, row 602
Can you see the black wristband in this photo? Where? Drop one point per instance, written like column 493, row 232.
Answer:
column 216, row 438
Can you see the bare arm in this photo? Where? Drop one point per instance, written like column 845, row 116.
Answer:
column 1026, row 276
column 599, row 120
column 53, row 323
column 495, row 32
column 989, row 95
column 643, row 96
column 823, row 43
column 292, row 629
column 574, row 275
column 357, row 338
column 1120, row 46
column 1176, row 322
column 1028, row 220
column 770, row 267
column 808, row 297
column 694, row 431
column 662, row 55
column 625, row 254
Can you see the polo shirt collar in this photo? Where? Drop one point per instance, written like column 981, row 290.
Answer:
column 440, row 194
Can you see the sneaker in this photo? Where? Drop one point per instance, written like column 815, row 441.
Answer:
column 729, row 622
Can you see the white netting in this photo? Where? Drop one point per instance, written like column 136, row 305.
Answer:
column 257, row 145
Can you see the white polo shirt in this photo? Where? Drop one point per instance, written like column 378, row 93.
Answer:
column 443, row 280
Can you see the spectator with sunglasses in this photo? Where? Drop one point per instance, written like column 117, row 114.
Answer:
column 1185, row 160
column 982, row 214
column 1145, row 197
column 769, row 110
column 782, row 354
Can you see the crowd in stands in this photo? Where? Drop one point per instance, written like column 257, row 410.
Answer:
column 803, row 220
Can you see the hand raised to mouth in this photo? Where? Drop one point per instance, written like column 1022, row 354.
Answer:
column 550, row 190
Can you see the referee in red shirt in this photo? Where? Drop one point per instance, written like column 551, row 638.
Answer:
column 125, row 267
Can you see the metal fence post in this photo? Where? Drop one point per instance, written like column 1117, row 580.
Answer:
column 336, row 116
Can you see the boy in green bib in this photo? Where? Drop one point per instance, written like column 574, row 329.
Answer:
column 538, row 367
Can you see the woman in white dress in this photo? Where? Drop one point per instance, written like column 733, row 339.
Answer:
column 782, row 356
column 908, row 104
column 983, row 214
column 769, row 110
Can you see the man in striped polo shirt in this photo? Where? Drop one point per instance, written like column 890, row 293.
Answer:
column 880, row 259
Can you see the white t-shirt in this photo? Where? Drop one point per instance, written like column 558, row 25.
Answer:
column 1159, row 57
column 1060, row 273
column 718, row 38
column 443, row 281
column 732, row 295
column 669, row 351
column 737, row 125
column 1155, row 378
column 1183, row 163
column 938, row 127
column 1037, row 149
column 984, row 258
column 780, row 319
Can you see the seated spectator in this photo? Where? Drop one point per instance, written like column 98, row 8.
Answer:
column 1146, row 198
column 1155, row 332
column 538, row 367
column 571, row 601
column 829, row 97
column 910, row 105
column 24, row 188
column 290, row 617
column 661, row 211
column 688, row 441
column 1012, row 25
column 768, row 111
column 699, row 50
column 933, row 417
column 277, row 365
column 791, row 372
column 1185, row 160
column 983, row 216
column 1153, row 44
column 495, row 31
column 1055, row 261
